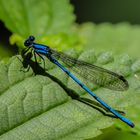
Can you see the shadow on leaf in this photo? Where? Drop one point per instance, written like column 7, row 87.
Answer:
column 38, row 70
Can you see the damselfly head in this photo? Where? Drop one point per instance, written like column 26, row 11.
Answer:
column 32, row 38
column 29, row 41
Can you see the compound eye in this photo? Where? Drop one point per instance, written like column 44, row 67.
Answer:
column 27, row 43
column 32, row 38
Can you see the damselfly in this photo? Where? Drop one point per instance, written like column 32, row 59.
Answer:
column 98, row 75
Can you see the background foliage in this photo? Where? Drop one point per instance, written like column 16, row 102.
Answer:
column 45, row 106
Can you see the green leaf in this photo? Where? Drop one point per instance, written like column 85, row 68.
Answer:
column 119, row 38
column 135, row 109
column 38, row 18
column 47, row 105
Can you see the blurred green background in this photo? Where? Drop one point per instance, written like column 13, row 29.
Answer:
column 97, row 11
column 116, row 11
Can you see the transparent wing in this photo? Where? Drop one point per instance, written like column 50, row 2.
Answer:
column 98, row 75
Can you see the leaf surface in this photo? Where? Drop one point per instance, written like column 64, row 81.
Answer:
column 38, row 18
column 48, row 106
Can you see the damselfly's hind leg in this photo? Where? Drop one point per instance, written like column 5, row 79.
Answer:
column 42, row 59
